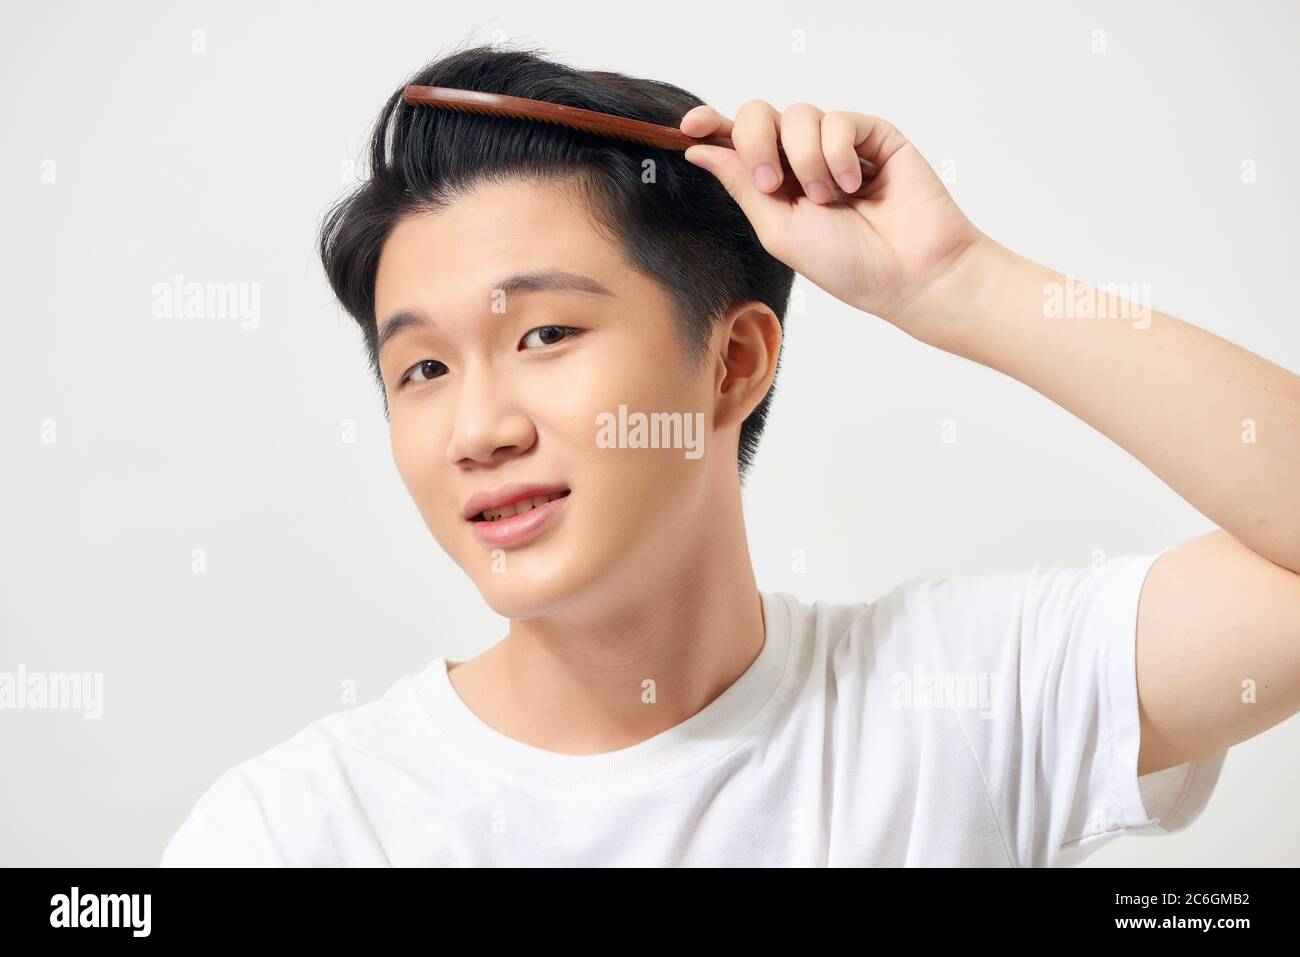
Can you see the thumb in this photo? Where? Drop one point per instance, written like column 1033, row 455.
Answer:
column 764, row 211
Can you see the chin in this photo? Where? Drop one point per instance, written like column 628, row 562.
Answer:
column 521, row 601
column 545, row 577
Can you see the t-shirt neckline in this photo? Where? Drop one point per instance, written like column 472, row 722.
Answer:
column 723, row 725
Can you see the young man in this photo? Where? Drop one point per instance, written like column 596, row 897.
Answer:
column 526, row 291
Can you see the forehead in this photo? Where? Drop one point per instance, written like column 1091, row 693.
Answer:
column 496, row 229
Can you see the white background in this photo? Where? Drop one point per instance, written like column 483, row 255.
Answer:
column 176, row 435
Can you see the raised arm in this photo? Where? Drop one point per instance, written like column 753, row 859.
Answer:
column 1218, row 643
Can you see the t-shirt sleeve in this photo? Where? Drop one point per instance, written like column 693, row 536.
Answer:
column 225, row 828
column 1058, row 750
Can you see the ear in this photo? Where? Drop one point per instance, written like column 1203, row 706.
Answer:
column 747, row 358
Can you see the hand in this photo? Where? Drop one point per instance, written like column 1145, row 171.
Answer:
column 879, row 244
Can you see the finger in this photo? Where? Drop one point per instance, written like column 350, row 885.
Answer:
column 872, row 138
column 755, row 136
column 838, row 133
column 766, row 213
column 801, row 138
column 704, row 120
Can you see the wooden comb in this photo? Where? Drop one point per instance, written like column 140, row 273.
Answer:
column 589, row 121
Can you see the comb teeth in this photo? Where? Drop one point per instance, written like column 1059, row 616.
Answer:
column 508, row 114
column 570, row 117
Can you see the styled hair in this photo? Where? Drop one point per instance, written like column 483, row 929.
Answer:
column 679, row 227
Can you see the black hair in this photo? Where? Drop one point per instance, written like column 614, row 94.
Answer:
column 683, row 230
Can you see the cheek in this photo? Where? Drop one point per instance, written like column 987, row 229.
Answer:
column 414, row 455
column 658, row 480
column 645, row 372
column 399, row 440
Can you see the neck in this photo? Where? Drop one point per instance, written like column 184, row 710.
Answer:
column 635, row 656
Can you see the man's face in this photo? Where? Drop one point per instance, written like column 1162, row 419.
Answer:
column 506, row 387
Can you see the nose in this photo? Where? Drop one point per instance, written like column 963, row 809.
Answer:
column 489, row 424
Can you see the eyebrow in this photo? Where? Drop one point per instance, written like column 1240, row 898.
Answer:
column 551, row 280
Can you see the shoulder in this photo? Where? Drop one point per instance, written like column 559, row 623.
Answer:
column 975, row 623
column 901, row 618
column 994, row 605
column 274, row 807
column 223, row 829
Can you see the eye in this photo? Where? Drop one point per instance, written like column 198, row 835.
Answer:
column 422, row 371
column 549, row 335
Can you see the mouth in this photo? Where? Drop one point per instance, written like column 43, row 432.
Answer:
column 501, row 513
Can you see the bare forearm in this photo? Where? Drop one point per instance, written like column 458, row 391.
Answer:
column 1219, row 424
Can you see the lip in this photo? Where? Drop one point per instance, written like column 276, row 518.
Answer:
column 506, row 495
column 518, row 529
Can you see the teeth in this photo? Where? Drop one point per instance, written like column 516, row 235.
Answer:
column 518, row 508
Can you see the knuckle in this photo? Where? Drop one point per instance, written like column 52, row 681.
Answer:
column 837, row 120
column 802, row 109
column 888, row 131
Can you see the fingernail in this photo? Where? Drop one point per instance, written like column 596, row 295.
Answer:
column 847, row 181
column 765, row 177
column 818, row 192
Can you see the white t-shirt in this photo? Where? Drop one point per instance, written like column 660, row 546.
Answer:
column 988, row 720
